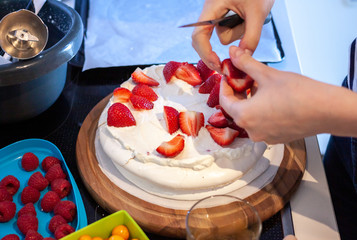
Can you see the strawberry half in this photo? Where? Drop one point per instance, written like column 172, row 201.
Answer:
column 236, row 78
column 182, row 70
column 191, row 122
column 145, row 91
column 217, row 119
column 119, row 115
column 170, row 69
column 228, row 117
column 141, row 103
column 121, row 95
column 222, row 136
column 205, row 72
column 139, row 76
column 173, row 147
column 213, row 98
column 189, row 73
column 171, row 116
column 208, row 85
column 242, row 132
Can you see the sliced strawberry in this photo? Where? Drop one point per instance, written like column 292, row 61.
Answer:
column 189, row 73
column 141, row 103
column 236, row 78
column 232, row 124
column 240, row 85
column 208, row 85
column 242, row 132
column 230, row 70
column 213, row 98
column 119, row 115
column 205, row 72
column 170, row 69
column 191, row 122
column 145, row 91
column 222, row 136
column 228, row 117
column 217, row 119
column 171, row 116
column 139, row 76
column 173, row 147
column 121, row 95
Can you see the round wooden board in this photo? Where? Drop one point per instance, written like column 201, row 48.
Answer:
column 171, row 222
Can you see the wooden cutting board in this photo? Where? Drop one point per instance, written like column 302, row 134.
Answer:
column 171, row 222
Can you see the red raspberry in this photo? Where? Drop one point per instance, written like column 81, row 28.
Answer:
column 63, row 230
column 7, row 211
column 48, row 238
column 67, row 209
column 38, row 181
column 11, row 237
column 49, row 162
column 49, row 201
column 61, row 186
column 33, row 235
column 55, row 172
column 29, row 161
column 56, row 221
column 26, row 223
column 5, row 195
column 30, row 194
column 11, row 183
column 28, row 209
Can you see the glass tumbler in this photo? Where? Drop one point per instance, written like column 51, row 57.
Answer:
column 223, row 217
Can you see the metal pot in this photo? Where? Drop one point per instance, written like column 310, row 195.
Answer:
column 29, row 87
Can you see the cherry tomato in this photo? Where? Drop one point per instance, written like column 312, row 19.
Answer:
column 122, row 231
column 85, row 237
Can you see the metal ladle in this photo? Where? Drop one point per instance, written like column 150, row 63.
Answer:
column 23, row 35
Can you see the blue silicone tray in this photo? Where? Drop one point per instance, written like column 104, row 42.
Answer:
column 10, row 164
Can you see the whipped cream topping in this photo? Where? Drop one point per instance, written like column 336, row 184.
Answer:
column 202, row 164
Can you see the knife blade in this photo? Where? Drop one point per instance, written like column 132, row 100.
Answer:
column 230, row 20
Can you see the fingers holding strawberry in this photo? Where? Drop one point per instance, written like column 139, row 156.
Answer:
column 284, row 107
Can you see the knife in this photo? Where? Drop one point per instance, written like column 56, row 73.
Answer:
column 230, row 20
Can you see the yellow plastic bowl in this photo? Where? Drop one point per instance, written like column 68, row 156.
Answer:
column 103, row 227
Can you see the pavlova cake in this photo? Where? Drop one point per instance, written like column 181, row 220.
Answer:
column 165, row 132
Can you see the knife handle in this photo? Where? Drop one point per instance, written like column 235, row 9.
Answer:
column 231, row 21
column 234, row 20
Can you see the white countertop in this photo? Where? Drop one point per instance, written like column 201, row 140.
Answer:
column 316, row 37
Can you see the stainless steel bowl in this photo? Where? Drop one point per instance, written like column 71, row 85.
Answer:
column 29, row 87
column 23, row 35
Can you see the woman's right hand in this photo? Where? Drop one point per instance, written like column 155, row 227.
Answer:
column 254, row 13
column 287, row 106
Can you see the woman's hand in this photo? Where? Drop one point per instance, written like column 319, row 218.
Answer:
column 287, row 106
column 254, row 13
